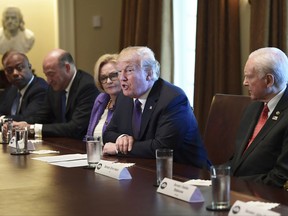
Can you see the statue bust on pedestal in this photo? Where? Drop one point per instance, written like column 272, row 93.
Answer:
column 13, row 34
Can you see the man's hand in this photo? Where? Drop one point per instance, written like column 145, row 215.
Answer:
column 21, row 124
column 124, row 144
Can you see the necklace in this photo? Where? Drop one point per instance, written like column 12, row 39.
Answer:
column 108, row 105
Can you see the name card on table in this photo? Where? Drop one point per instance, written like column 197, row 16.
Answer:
column 242, row 208
column 30, row 145
column 180, row 190
column 114, row 170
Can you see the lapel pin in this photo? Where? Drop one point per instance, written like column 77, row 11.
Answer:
column 277, row 112
column 150, row 107
column 275, row 118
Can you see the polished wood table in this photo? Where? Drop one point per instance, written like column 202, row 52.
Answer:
column 32, row 187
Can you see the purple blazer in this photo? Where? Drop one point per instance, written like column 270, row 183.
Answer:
column 97, row 111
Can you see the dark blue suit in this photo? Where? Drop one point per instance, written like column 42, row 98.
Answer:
column 167, row 122
column 79, row 105
column 31, row 100
column 266, row 159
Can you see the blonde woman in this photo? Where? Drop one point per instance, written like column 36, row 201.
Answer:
column 106, row 79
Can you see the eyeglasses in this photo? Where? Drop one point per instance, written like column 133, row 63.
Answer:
column 112, row 76
column 10, row 70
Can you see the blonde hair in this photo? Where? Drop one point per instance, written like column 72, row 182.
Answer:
column 103, row 60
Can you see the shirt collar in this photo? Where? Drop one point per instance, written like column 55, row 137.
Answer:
column 23, row 90
column 274, row 101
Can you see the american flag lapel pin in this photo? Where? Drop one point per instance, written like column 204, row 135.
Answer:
column 150, row 107
column 275, row 118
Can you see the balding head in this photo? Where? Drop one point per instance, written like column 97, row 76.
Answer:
column 59, row 68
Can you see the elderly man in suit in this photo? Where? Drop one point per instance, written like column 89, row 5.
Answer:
column 70, row 97
column 26, row 93
column 167, row 120
column 261, row 151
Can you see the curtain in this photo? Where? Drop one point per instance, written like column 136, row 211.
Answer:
column 141, row 24
column 218, row 60
column 268, row 26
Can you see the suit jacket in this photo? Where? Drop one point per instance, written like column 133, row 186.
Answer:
column 32, row 99
column 97, row 111
column 167, row 122
column 79, row 104
column 266, row 159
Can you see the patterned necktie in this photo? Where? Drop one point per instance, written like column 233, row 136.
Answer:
column 136, row 118
column 16, row 103
column 63, row 100
column 263, row 118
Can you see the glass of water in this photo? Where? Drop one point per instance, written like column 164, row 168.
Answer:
column 164, row 164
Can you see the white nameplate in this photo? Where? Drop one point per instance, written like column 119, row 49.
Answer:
column 30, row 145
column 114, row 170
column 242, row 208
column 180, row 190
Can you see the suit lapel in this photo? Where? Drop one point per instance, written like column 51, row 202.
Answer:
column 275, row 117
column 150, row 106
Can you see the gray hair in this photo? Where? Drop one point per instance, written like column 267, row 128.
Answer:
column 146, row 59
column 271, row 60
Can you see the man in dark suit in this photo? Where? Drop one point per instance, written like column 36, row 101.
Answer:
column 30, row 89
column 167, row 119
column 263, row 157
column 67, row 106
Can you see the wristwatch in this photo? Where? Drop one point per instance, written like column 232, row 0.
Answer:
column 32, row 129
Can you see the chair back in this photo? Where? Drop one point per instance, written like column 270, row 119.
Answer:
column 222, row 124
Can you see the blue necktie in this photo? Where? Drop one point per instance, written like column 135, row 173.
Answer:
column 136, row 118
column 63, row 100
column 15, row 105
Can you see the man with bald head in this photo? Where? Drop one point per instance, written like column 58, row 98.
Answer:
column 69, row 101
column 30, row 89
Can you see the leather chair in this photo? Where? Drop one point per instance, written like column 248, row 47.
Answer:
column 222, row 124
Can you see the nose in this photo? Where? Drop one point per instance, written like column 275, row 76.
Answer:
column 121, row 75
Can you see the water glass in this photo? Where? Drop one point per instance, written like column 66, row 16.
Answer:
column 21, row 141
column 94, row 150
column 164, row 164
column 220, row 177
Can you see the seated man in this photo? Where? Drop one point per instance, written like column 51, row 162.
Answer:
column 67, row 106
column 166, row 118
column 261, row 151
column 26, row 93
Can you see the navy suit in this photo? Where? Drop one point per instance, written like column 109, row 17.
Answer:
column 79, row 105
column 167, row 122
column 31, row 100
column 266, row 159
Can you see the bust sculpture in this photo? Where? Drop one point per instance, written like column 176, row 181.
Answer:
column 13, row 34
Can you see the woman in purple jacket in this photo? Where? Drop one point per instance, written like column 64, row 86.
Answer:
column 106, row 79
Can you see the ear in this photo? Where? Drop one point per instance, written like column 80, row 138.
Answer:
column 149, row 75
column 270, row 80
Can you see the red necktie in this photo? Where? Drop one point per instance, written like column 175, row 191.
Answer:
column 263, row 118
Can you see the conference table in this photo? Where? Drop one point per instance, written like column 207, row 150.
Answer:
column 32, row 187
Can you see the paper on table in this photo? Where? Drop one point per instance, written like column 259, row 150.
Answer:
column 199, row 182
column 59, row 158
column 45, row 151
column 73, row 163
column 264, row 205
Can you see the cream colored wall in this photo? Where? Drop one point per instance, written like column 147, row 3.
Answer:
column 91, row 42
column 39, row 17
